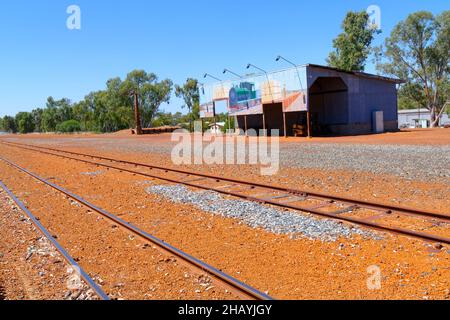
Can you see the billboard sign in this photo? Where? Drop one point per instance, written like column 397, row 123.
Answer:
column 248, row 95
column 207, row 110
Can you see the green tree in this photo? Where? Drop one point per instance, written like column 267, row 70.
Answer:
column 418, row 52
column 36, row 114
column 103, row 111
column 85, row 113
column 9, row 124
column 151, row 93
column 167, row 119
column 352, row 46
column 24, row 122
column 69, row 126
column 189, row 92
column 82, row 114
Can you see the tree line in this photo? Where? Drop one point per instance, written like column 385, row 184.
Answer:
column 111, row 109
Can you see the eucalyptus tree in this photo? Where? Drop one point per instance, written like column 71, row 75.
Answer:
column 353, row 45
column 418, row 51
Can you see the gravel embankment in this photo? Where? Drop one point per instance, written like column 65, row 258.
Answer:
column 257, row 215
column 429, row 163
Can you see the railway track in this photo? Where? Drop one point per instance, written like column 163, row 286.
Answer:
column 89, row 281
column 239, row 288
column 329, row 206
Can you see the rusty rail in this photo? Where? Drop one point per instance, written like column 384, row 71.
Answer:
column 362, row 203
column 242, row 289
column 89, row 281
column 387, row 209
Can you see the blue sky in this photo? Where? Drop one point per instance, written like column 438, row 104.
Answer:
column 173, row 38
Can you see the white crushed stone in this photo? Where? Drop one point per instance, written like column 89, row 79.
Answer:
column 257, row 215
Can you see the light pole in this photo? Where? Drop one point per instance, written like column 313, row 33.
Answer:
column 267, row 76
column 296, row 68
column 214, row 104
column 208, row 75
column 308, row 113
column 270, row 93
column 234, row 73
column 228, row 101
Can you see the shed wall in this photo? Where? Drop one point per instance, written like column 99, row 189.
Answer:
column 365, row 95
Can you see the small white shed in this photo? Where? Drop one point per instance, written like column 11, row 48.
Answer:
column 217, row 128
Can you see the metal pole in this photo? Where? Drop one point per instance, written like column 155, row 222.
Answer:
column 245, row 120
column 267, row 76
column 264, row 122
column 229, row 118
column 137, row 114
column 296, row 68
column 308, row 120
column 284, row 124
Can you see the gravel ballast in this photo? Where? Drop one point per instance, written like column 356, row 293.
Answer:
column 257, row 215
column 410, row 162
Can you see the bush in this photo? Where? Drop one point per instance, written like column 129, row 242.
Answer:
column 69, row 126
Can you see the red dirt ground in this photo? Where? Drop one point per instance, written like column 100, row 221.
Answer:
column 288, row 268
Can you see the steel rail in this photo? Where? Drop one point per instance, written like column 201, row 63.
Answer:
column 396, row 230
column 90, row 282
column 228, row 280
column 361, row 203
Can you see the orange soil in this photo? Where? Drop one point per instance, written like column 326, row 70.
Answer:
column 435, row 136
column 287, row 268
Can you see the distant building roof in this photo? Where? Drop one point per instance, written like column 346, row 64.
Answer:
column 405, row 111
column 220, row 124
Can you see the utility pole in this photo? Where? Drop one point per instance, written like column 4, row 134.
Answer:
column 137, row 114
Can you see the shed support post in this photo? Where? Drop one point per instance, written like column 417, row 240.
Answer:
column 245, row 126
column 284, row 124
column 308, row 120
column 264, row 123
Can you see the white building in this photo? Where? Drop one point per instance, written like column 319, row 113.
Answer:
column 217, row 128
column 418, row 118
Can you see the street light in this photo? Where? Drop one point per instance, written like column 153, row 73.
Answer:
column 267, row 76
column 208, row 75
column 202, row 86
column 252, row 65
column 296, row 68
column 229, row 71
column 308, row 114
column 228, row 100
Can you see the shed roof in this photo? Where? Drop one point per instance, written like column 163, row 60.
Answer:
column 358, row 73
column 405, row 111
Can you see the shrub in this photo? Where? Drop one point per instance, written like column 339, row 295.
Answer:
column 69, row 126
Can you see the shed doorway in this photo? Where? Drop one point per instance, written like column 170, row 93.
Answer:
column 328, row 105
